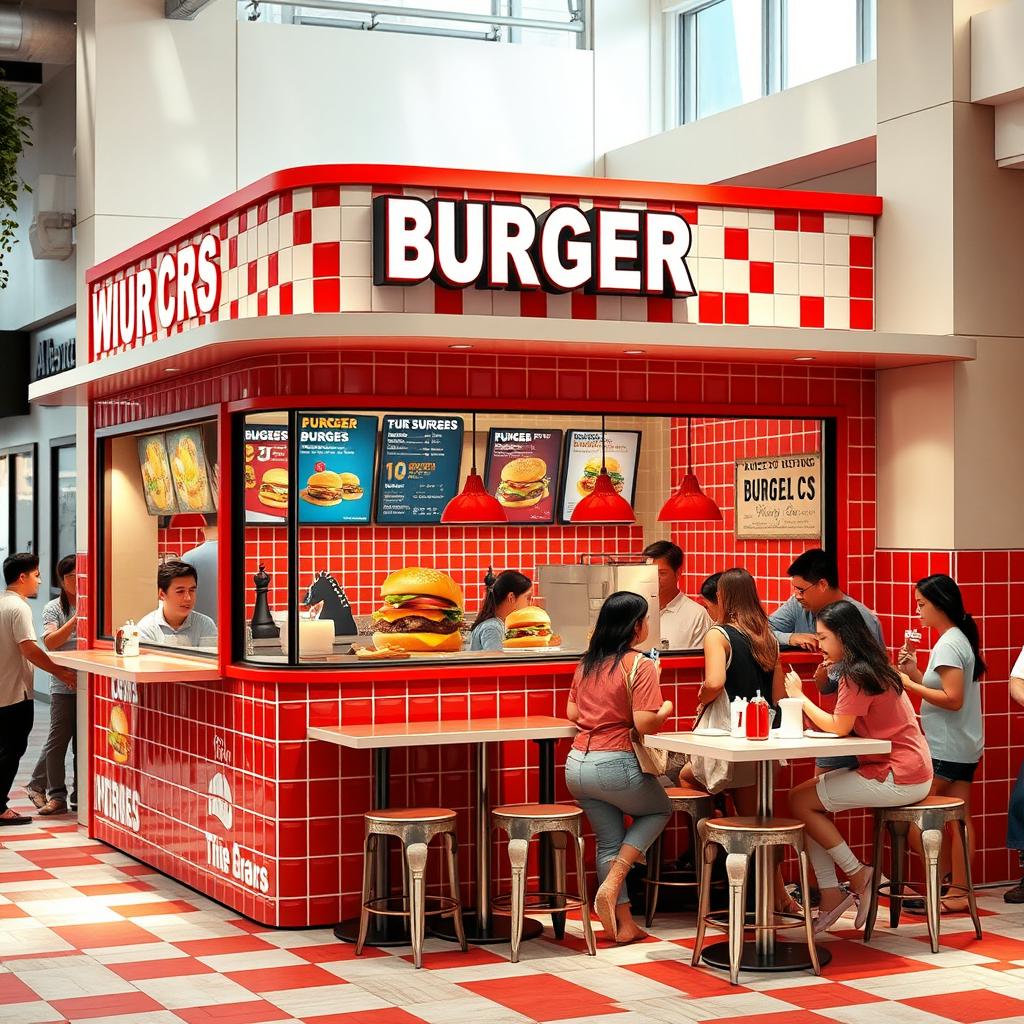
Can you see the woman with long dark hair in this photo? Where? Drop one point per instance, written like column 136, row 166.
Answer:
column 48, row 787
column 510, row 590
column 950, row 694
column 871, row 702
column 615, row 691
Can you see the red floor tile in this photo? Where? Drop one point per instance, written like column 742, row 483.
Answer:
column 114, row 888
column 999, row 947
column 699, row 982
column 969, row 1007
column 544, row 997
column 855, row 960
column 334, row 952
column 784, row 1017
column 14, row 990
column 175, row 967
column 133, row 870
column 84, row 1007
column 393, row 1015
column 254, row 1012
column 247, row 926
column 221, row 946
column 279, row 979
column 155, row 909
column 473, row 956
column 8, row 910
column 111, row 933
column 822, row 997
column 26, row 876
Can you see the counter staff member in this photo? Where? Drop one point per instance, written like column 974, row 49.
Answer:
column 814, row 577
column 176, row 623
column 510, row 591
column 683, row 622
column 1015, row 812
column 19, row 651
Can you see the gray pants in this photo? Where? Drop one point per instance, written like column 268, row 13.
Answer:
column 49, row 774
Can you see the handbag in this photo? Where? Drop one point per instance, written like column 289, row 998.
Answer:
column 652, row 761
column 713, row 773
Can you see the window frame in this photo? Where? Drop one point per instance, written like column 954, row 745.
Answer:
column 57, row 444
column 31, row 450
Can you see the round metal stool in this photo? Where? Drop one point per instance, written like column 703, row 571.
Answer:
column 522, row 822
column 740, row 837
column 413, row 827
column 931, row 816
column 696, row 804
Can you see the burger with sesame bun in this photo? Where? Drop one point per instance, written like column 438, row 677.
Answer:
column 524, row 482
column 529, row 627
column 422, row 612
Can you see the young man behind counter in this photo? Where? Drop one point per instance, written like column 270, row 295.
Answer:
column 176, row 623
column 683, row 621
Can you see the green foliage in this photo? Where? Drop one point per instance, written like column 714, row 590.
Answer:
column 14, row 137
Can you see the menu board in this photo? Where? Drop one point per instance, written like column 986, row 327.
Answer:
column 190, row 470
column 418, row 474
column 335, row 472
column 156, row 475
column 266, row 473
column 583, row 464
column 522, row 472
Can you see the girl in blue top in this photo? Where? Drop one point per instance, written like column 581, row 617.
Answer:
column 511, row 590
column 950, row 705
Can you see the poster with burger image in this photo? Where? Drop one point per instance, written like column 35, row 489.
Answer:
column 522, row 470
column 119, row 738
column 421, row 613
column 265, row 481
column 583, row 465
column 337, row 452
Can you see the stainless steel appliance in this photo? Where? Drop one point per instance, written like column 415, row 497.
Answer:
column 573, row 594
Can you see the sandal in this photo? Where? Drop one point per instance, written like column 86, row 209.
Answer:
column 827, row 918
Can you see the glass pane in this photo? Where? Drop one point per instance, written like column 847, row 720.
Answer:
column 24, row 503
column 5, row 504
column 65, row 485
column 821, row 38
column 728, row 49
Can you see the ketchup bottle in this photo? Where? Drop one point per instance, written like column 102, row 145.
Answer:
column 757, row 718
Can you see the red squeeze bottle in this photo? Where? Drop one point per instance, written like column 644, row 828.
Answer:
column 757, row 718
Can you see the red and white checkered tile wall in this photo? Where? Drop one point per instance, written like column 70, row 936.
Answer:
column 285, row 785
column 309, row 250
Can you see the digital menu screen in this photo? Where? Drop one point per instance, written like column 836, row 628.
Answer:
column 156, row 475
column 522, row 472
column 419, row 466
column 190, row 470
column 335, row 471
column 266, row 473
column 583, row 464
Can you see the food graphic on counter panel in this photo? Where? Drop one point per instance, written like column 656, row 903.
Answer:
column 592, row 470
column 273, row 487
column 119, row 735
column 528, row 627
column 422, row 612
column 524, row 482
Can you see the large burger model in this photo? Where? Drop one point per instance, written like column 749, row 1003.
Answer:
column 274, row 488
column 422, row 611
column 351, row 489
column 324, row 488
column 528, row 627
column 592, row 470
column 524, row 482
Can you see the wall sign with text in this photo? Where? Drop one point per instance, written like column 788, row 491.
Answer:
column 457, row 243
column 583, row 465
column 420, row 458
column 335, row 474
column 779, row 497
column 522, row 472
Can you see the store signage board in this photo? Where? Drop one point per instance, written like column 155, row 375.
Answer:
column 182, row 285
column 505, row 246
column 419, row 468
column 583, row 464
column 335, row 473
column 779, row 497
column 52, row 350
column 265, row 476
column 522, row 472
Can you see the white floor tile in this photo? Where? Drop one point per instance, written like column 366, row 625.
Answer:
column 620, row 985
column 73, row 980
column 254, row 960
column 469, row 1008
column 30, row 1013
column 326, row 999
column 196, row 990
column 413, row 988
column 890, row 1013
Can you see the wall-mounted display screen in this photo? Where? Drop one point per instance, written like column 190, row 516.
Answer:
column 157, row 483
column 265, row 477
column 583, row 465
column 522, row 472
column 336, row 462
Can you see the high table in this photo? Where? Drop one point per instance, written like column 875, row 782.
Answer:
column 764, row 954
column 481, row 927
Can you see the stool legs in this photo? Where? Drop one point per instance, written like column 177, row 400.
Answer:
column 416, row 859
column 517, row 853
column 654, row 872
column 559, row 845
column 581, row 875
column 805, row 887
column 876, row 879
column 898, row 844
column 369, row 858
column 707, row 859
column 931, row 847
column 736, row 869
column 451, row 853
column 972, row 903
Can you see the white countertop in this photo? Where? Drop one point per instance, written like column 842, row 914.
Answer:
column 729, row 748
column 435, row 734
column 147, row 667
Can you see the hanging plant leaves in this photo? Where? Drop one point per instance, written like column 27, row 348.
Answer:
column 14, row 137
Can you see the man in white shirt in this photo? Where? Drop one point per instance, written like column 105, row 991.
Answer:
column 1015, row 812
column 19, row 651
column 176, row 623
column 683, row 622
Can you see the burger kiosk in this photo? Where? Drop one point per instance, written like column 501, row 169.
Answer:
column 341, row 345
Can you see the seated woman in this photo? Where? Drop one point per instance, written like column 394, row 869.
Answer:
column 511, row 590
column 602, row 771
column 872, row 703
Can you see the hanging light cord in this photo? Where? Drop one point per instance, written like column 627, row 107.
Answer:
column 603, row 468
column 473, row 470
column 689, row 446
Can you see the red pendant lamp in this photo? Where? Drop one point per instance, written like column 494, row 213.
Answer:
column 474, row 504
column 604, row 504
column 689, row 503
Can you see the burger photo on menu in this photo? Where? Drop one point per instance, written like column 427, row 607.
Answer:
column 592, row 470
column 527, row 628
column 422, row 612
column 328, row 488
column 274, row 488
column 524, row 482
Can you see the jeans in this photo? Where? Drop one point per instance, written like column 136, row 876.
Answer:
column 608, row 784
column 49, row 774
column 1015, row 815
column 15, row 726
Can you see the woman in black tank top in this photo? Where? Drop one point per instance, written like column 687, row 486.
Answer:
column 744, row 676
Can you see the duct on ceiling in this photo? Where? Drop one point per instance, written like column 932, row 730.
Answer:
column 184, row 9
column 45, row 37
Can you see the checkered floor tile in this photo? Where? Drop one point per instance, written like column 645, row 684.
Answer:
column 85, row 936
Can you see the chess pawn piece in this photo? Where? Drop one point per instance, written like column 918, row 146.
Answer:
column 262, row 622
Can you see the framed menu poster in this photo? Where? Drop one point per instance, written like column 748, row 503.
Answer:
column 190, row 470
column 522, row 472
column 779, row 497
column 582, row 464
column 337, row 451
column 265, row 456
column 156, row 475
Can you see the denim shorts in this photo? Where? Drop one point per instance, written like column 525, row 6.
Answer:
column 954, row 771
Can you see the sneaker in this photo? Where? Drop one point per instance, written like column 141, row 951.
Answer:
column 39, row 799
column 53, row 807
column 1016, row 894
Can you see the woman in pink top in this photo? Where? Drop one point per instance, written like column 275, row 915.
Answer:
column 614, row 691
column 871, row 703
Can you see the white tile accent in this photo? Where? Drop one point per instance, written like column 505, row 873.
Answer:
column 537, row 204
column 273, row 234
column 302, row 199
column 302, row 262
column 243, row 248
column 273, row 208
column 736, row 218
column 837, row 314
column 356, row 259
column 837, row 223
column 761, row 243
column 837, row 281
column 762, row 219
column 787, row 280
column 609, row 307
column 262, row 242
column 284, row 265
column 302, row 296
column 419, row 298
column 679, row 314
column 327, row 224
column 420, row 193
column 812, row 279
column 786, row 248
column 710, row 275
column 736, row 276
column 710, row 215
column 386, row 300
column 633, row 309
column 356, row 224
column 506, row 303
column 837, row 250
column 559, row 306
column 355, row 295
column 812, row 247
column 712, row 241
column 285, row 229
column 787, row 310
column 356, row 195
column 477, row 301
column 862, row 225
column 262, row 271
column 762, row 310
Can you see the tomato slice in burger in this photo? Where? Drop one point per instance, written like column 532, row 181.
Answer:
column 437, row 603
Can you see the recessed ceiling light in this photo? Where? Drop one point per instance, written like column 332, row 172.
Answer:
column 803, row 359
column 170, row 369
column 634, row 352
column 460, row 346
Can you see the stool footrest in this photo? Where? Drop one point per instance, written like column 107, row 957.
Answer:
column 720, row 919
column 537, row 903
column 398, row 906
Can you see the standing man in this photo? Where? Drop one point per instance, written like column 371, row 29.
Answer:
column 683, row 622
column 1015, row 812
column 19, row 651
column 814, row 577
